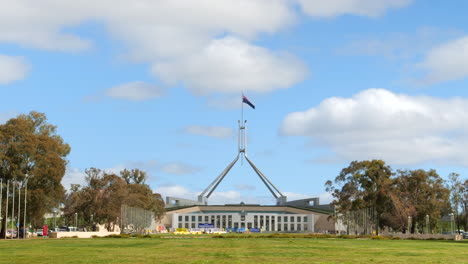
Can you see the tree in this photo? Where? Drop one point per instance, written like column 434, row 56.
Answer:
column 425, row 191
column 363, row 184
column 456, row 192
column 29, row 146
column 105, row 193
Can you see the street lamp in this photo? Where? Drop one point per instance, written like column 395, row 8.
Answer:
column 451, row 223
column 55, row 217
column 409, row 224
column 76, row 220
column 427, row 224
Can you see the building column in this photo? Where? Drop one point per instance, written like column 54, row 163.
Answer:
column 175, row 221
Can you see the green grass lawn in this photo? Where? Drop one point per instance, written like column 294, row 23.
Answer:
column 204, row 249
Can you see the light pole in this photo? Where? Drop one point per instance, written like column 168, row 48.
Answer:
column 6, row 211
column 92, row 223
column 451, row 223
column 55, row 218
column 1, row 197
column 25, row 201
column 19, row 211
column 409, row 224
column 76, row 221
column 427, row 224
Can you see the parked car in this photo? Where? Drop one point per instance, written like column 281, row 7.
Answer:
column 11, row 234
column 465, row 235
column 39, row 232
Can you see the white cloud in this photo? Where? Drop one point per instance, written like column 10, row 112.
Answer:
column 168, row 34
column 179, row 168
column 210, row 131
column 448, row 61
column 135, row 91
column 333, row 8
column 12, row 68
column 73, row 176
column 176, row 191
column 397, row 128
column 231, row 65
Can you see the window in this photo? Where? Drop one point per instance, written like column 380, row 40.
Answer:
column 206, row 219
column 193, row 225
column 180, row 225
column 285, row 219
column 186, row 225
column 305, row 219
column 279, row 219
column 180, row 218
column 298, row 227
column 291, row 219
column 298, row 219
column 305, row 227
column 200, row 218
column 193, row 218
column 186, row 218
column 279, row 227
column 285, row 227
column 292, row 227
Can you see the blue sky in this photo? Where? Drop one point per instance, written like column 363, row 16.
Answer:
column 156, row 85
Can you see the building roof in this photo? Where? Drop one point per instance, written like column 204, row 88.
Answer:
column 233, row 207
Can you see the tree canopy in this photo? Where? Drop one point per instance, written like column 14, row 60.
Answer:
column 391, row 197
column 32, row 151
column 101, row 199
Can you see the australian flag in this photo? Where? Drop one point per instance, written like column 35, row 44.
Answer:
column 245, row 100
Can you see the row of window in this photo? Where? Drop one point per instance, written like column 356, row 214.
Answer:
column 206, row 218
column 280, row 227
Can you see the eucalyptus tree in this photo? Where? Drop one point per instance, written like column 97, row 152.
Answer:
column 32, row 151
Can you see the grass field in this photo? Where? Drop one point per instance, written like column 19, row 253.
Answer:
column 203, row 249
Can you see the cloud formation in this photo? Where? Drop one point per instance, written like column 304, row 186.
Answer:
column 210, row 131
column 333, row 8
column 446, row 62
column 230, row 65
column 135, row 91
column 377, row 123
column 12, row 68
column 184, row 41
column 179, row 168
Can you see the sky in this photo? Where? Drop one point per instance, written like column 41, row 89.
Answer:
column 156, row 85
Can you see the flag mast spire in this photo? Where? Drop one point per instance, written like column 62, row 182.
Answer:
column 242, row 153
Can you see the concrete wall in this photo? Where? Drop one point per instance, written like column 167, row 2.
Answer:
column 81, row 234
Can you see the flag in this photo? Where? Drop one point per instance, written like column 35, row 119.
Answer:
column 245, row 100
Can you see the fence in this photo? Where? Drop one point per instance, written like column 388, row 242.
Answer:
column 136, row 220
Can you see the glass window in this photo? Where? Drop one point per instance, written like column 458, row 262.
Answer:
column 305, row 219
column 285, row 227
column 291, row 219
column 279, row 227
column 193, row 225
column 285, row 219
column 186, row 225
column 193, row 218
column 200, row 218
column 206, row 219
column 305, row 227
column 180, row 225
column 292, row 227
column 186, row 218
column 180, row 218
column 279, row 219
column 298, row 219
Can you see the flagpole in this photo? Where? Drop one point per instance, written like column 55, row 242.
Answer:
column 242, row 124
